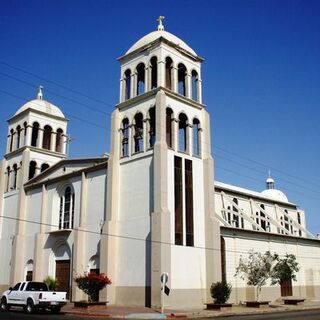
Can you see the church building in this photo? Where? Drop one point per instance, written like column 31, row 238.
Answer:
column 151, row 205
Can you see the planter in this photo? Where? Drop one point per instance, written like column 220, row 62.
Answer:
column 257, row 304
column 218, row 306
column 90, row 305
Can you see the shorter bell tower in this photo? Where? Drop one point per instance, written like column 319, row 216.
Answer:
column 36, row 140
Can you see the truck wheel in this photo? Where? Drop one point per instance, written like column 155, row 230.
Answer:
column 4, row 305
column 55, row 310
column 30, row 306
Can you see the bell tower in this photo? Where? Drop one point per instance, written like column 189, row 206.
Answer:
column 36, row 140
column 160, row 194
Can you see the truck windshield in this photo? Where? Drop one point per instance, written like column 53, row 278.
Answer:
column 36, row 286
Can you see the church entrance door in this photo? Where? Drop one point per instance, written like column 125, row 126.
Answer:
column 286, row 288
column 63, row 276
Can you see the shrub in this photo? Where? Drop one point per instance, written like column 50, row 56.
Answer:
column 220, row 292
column 92, row 283
column 51, row 283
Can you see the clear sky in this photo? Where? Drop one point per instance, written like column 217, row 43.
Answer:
column 261, row 77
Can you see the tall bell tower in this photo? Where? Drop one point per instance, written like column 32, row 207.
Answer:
column 36, row 140
column 160, row 194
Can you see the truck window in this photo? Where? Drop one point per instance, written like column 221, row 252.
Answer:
column 16, row 287
column 23, row 285
column 36, row 286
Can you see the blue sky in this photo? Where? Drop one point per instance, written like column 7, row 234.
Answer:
column 261, row 78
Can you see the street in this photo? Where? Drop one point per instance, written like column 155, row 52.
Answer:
column 292, row 315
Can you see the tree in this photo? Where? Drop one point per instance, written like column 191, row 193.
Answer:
column 92, row 283
column 284, row 269
column 256, row 269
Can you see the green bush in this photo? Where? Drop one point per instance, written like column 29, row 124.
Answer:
column 220, row 292
column 51, row 283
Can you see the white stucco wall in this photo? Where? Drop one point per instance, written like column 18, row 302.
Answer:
column 307, row 252
column 134, row 222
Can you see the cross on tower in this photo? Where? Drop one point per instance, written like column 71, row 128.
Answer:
column 160, row 25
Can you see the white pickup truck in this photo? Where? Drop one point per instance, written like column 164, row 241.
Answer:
column 31, row 296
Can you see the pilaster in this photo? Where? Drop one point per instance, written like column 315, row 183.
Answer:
column 212, row 227
column 18, row 252
column 108, row 248
column 40, row 238
column 160, row 218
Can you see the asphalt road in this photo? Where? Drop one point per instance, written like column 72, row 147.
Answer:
column 292, row 315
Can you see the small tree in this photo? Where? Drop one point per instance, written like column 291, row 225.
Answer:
column 284, row 269
column 220, row 292
column 256, row 269
column 51, row 283
column 92, row 283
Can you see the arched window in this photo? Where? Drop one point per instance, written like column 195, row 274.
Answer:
column 127, row 84
column 35, row 134
column 169, row 66
column 138, row 132
column 196, row 137
column 29, row 270
column 194, row 85
column 125, row 137
column 182, row 74
column 286, row 220
column 154, row 72
column 11, row 139
column 44, row 166
column 59, row 140
column 32, row 169
column 66, row 212
column 152, row 127
column 299, row 221
column 169, row 114
column 46, row 144
column 235, row 220
column 25, row 128
column 15, row 177
column 140, row 78
column 18, row 136
column 183, row 123
column 262, row 220
column 8, row 179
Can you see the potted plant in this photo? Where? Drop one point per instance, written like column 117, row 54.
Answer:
column 51, row 283
column 256, row 270
column 220, row 292
column 91, row 284
column 283, row 273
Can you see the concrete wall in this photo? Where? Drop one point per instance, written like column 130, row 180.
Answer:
column 307, row 253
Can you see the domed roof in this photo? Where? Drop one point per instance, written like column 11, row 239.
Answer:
column 275, row 194
column 269, row 180
column 43, row 106
column 152, row 36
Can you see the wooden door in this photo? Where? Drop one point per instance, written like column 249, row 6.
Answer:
column 286, row 288
column 63, row 276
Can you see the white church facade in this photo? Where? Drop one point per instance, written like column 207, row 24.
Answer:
column 151, row 205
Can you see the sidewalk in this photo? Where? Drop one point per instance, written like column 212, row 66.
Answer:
column 121, row 312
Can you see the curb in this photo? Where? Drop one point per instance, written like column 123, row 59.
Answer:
column 280, row 309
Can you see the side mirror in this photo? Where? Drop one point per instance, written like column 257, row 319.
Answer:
column 10, row 288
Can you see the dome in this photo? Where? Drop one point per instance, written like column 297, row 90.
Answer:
column 152, row 36
column 275, row 194
column 269, row 180
column 42, row 106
